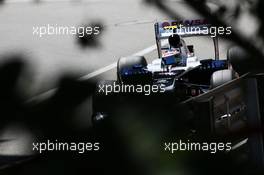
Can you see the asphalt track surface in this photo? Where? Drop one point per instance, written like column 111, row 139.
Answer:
column 128, row 30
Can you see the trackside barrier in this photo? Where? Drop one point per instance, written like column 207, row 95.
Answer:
column 235, row 108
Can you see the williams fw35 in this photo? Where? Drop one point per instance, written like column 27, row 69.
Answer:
column 176, row 75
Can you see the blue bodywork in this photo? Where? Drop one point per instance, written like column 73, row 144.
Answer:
column 178, row 81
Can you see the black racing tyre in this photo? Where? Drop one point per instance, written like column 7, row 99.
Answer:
column 239, row 59
column 220, row 77
column 243, row 62
column 129, row 62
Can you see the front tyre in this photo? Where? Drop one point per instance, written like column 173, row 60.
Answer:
column 221, row 77
column 128, row 63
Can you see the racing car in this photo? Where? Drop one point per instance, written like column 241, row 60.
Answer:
column 177, row 71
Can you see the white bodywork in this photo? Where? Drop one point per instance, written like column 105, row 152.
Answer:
column 191, row 62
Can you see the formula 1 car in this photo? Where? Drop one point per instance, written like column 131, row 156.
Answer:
column 177, row 71
column 204, row 100
column 177, row 66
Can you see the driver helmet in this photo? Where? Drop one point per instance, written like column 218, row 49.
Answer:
column 174, row 41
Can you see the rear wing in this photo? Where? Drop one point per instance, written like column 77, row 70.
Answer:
column 184, row 28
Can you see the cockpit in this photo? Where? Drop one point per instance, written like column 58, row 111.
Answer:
column 175, row 53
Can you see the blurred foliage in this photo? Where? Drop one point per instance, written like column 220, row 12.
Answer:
column 52, row 117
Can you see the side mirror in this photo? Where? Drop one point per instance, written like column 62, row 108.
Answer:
column 191, row 49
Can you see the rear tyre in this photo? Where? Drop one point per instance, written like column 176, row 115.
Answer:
column 242, row 62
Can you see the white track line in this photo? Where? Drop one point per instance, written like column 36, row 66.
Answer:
column 99, row 71
column 50, row 92
column 239, row 144
column 113, row 65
